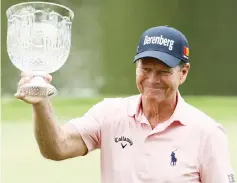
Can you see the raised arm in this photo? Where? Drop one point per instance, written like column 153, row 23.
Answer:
column 55, row 142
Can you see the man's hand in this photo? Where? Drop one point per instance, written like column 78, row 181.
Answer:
column 26, row 78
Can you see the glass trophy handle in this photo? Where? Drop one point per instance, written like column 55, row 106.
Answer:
column 38, row 87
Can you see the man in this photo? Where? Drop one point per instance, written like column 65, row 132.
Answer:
column 151, row 137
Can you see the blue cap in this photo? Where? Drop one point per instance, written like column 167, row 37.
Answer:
column 164, row 43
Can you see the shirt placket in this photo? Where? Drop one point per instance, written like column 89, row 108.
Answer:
column 144, row 159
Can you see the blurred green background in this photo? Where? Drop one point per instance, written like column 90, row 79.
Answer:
column 104, row 41
column 106, row 34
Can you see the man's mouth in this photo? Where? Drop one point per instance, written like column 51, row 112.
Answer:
column 154, row 88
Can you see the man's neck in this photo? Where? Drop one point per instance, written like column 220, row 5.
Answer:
column 158, row 112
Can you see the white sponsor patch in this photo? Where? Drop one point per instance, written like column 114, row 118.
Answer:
column 159, row 40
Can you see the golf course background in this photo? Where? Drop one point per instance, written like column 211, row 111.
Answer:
column 23, row 163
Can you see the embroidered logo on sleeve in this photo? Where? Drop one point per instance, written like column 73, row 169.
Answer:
column 231, row 178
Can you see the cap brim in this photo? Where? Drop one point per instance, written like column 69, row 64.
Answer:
column 169, row 60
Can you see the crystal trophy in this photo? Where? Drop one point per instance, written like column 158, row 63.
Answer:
column 38, row 42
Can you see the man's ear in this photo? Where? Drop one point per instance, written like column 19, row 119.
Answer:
column 184, row 72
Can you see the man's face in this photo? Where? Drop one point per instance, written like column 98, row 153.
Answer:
column 157, row 81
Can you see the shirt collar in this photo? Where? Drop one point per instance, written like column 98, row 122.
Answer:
column 179, row 114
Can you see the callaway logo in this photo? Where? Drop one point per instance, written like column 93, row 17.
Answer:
column 123, row 146
column 124, row 141
column 159, row 40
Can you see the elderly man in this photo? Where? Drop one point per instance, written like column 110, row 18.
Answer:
column 151, row 137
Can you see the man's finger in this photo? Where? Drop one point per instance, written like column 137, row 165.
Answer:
column 19, row 95
column 24, row 80
column 48, row 78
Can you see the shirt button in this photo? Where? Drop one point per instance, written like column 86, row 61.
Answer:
column 143, row 175
column 147, row 154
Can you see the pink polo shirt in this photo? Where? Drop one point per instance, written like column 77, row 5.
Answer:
column 189, row 147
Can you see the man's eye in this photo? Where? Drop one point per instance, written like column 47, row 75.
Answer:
column 147, row 69
column 166, row 72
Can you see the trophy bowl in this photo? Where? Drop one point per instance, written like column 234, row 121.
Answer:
column 38, row 42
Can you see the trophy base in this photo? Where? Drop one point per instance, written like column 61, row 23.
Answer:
column 38, row 88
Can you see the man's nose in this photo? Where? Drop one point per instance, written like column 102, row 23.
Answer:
column 154, row 77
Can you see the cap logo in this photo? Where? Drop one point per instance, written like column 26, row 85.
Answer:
column 186, row 52
column 159, row 40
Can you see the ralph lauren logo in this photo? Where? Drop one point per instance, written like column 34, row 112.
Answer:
column 173, row 158
column 124, row 141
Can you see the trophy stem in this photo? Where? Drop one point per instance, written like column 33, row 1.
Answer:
column 38, row 87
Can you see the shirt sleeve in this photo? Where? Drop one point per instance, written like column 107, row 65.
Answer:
column 89, row 125
column 215, row 159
